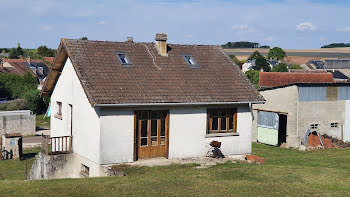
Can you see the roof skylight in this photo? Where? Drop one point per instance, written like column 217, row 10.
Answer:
column 124, row 59
column 190, row 61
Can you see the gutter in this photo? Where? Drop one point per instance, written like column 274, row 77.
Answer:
column 176, row 104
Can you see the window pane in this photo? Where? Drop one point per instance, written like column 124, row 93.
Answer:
column 223, row 124
column 143, row 141
column 214, row 124
column 154, row 114
column 223, row 112
column 144, row 125
column 154, row 127
column 162, row 114
column 162, row 127
column 154, row 141
column 215, row 112
column 230, row 122
column 144, row 115
column 162, row 141
column 231, row 111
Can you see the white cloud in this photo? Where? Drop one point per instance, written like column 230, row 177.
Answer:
column 102, row 23
column 306, row 26
column 343, row 29
column 240, row 27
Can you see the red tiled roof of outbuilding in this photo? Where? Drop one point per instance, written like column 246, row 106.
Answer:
column 275, row 79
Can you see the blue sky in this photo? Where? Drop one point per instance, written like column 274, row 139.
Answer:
column 292, row 24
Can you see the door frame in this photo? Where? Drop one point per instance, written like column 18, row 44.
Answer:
column 136, row 140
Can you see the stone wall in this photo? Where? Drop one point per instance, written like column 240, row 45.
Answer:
column 22, row 122
column 52, row 167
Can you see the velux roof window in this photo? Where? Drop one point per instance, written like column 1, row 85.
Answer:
column 124, row 59
column 190, row 61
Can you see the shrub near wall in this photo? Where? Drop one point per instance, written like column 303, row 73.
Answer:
column 13, row 87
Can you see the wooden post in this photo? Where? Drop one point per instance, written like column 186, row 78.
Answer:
column 45, row 144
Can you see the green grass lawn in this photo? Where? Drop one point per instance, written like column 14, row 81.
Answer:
column 41, row 122
column 286, row 173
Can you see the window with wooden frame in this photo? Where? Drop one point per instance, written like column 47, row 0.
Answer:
column 222, row 120
column 153, row 128
column 59, row 110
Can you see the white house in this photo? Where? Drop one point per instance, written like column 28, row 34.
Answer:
column 124, row 101
column 249, row 64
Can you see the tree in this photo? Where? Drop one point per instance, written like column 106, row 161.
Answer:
column 335, row 45
column 236, row 60
column 255, row 55
column 242, row 44
column 16, row 53
column 83, row 38
column 43, row 51
column 265, row 47
column 13, row 54
column 293, row 66
column 280, row 68
column 19, row 50
column 253, row 76
column 276, row 54
column 261, row 63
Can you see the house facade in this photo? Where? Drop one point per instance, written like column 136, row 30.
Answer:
column 118, row 102
column 292, row 109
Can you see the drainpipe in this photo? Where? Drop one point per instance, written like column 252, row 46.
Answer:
column 298, row 114
column 251, row 110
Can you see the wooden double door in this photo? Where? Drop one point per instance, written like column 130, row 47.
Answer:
column 151, row 134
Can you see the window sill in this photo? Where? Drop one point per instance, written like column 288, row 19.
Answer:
column 221, row 135
column 58, row 116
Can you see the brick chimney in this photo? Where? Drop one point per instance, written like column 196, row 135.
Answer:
column 29, row 60
column 161, row 39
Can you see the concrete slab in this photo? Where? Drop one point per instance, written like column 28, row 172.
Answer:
column 203, row 161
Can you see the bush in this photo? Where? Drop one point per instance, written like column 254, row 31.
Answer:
column 295, row 67
column 280, row 68
column 253, row 76
column 34, row 102
column 21, row 87
column 236, row 60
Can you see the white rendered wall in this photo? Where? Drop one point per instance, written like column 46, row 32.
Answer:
column 117, row 135
column 347, row 121
column 86, row 129
column 187, row 133
column 188, row 138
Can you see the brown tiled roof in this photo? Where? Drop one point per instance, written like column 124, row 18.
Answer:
column 154, row 78
column 49, row 59
column 275, row 79
column 20, row 60
column 21, row 68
